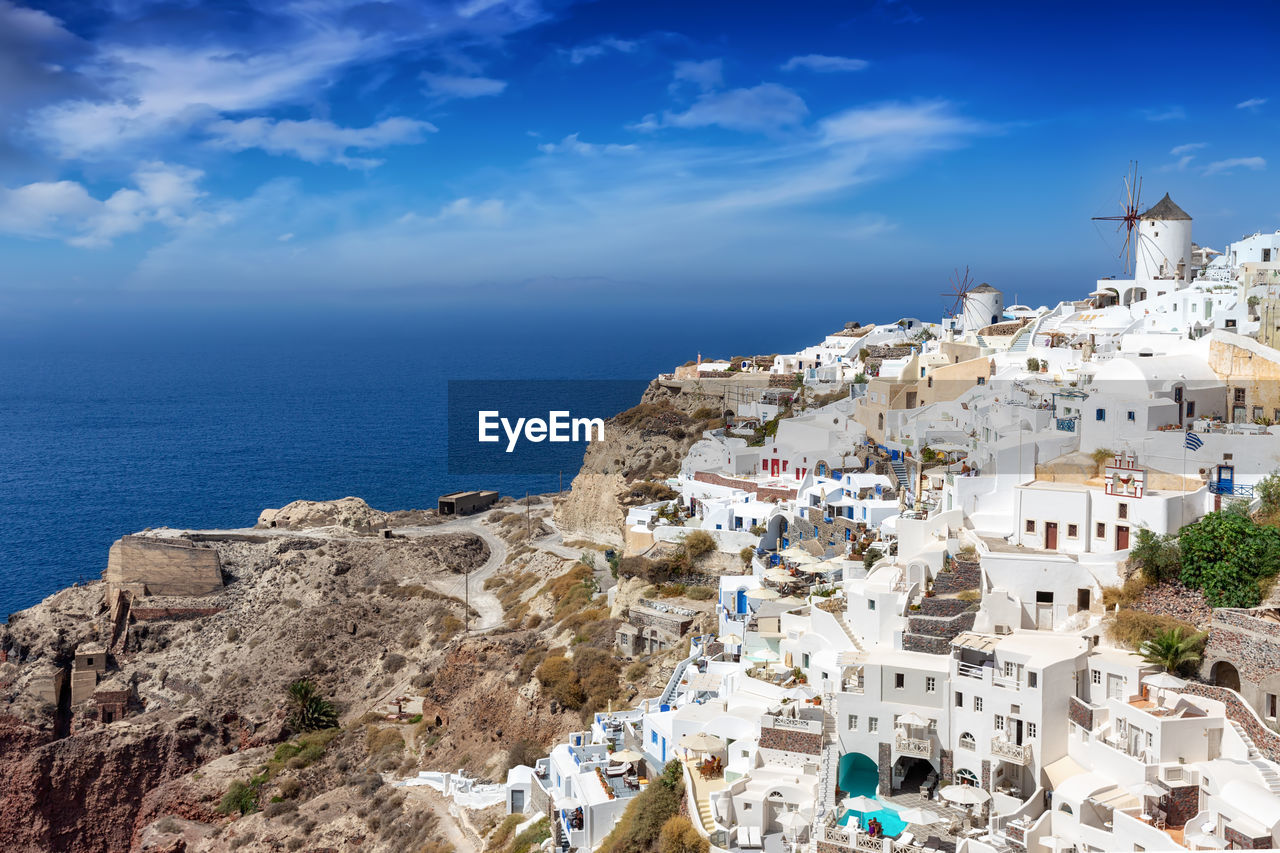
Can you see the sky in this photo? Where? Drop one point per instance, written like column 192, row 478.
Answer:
column 532, row 152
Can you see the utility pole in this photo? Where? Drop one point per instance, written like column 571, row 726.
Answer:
column 528, row 515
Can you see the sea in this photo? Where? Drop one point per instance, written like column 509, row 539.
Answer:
column 113, row 423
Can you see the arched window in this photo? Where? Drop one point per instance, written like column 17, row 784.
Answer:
column 967, row 741
column 964, row 776
column 821, row 469
column 1065, row 809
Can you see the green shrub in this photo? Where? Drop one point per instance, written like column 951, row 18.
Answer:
column 641, row 824
column 308, row 710
column 241, row 797
column 1226, row 554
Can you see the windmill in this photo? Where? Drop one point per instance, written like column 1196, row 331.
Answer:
column 1128, row 218
column 960, row 287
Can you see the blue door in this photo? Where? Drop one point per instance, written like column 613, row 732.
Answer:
column 1226, row 479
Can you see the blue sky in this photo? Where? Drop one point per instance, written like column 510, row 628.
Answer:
column 527, row 152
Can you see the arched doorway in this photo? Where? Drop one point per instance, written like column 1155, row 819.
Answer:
column 911, row 773
column 859, row 775
column 1224, row 674
column 965, row 776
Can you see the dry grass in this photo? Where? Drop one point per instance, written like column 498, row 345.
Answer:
column 1131, row 628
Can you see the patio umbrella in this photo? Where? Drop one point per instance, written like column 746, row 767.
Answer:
column 763, row 594
column 1150, row 789
column 920, row 817
column 804, row 559
column 702, row 742
column 1164, row 681
column 911, row 718
column 764, row 656
column 625, row 756
column 965, row 795
column 861, row 804
column 778, row 576
column 793, row 823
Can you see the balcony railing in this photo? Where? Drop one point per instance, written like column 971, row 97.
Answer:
column 1012, row 752
column 969, row 670
column 913, row 746
column 1238, row 490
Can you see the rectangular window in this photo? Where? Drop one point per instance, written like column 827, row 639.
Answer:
column 930, row 684
column 959, row 699
column 1100, row 531
column 999, row 724
column 873, row 724
column 871, row 604
column 1031, row 730
column 1100, row 415
column 806, row 660
column 899, row 681
column 853, row 722
column 1150, row 739
column 1191, row 408
column 1270, row 705
column 1122, row 510
column 1073, row 531
column 1095, row 676
column 1239, row 396
column 1009, row 668
column 1032, row 679
column 1132, row 415
column 1031, row 525
column 977, row 703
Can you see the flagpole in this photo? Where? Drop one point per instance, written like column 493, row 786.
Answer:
column 1182, row 512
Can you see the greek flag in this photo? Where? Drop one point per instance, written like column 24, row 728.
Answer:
column 1194, row 442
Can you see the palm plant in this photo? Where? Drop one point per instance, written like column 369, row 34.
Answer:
column 1172, row 651
column 308, row 710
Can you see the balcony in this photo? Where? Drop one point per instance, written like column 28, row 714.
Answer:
column 920, row 747
column 1014, row 753
column 969, row 670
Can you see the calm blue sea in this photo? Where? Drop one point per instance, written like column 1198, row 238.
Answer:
column 111, row 425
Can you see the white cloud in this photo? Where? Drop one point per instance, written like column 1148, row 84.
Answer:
column 761, row 108
column 824, row 64
column 316, row 140
column 1251, row 104
column 1171, row 113
column 592, row 50
column 463, row 86
column 1218, row 167
column 706, row 75
column 65, row 210
column 571, row 144
column 1188, row 148
column 927, row 124
column 488, row 212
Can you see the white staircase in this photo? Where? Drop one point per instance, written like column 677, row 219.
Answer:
column 830, row 762
column 1251, row 749
column 1023, row 339
column 900, row 469
column 1267, row 770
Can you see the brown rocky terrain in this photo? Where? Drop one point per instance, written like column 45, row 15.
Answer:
column 646, row 442
column 367, row 619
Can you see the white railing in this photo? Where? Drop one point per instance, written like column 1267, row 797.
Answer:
column 796, row 724
column 1009, row 751
column 913, row 746
column 969, row 670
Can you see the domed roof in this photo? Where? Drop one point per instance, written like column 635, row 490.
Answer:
column 984, row 288
column 1166, row 210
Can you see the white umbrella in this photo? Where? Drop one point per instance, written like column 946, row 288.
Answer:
column 965, row 795
column 778, row 576
column 793, row 823
column 1164, row 681
column 920, row 817
column 625, row 756
column 861, row 804
column 764, row 656
column 763, row 594
column 911, row 718
column 728, row 639
column 1150, row 789
column 702, row 742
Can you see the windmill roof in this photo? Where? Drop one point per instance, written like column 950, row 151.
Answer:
column 1166, row 210
column 984, row 288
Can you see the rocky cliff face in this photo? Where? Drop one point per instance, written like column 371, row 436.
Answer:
column 81, row 793
column 646, row 442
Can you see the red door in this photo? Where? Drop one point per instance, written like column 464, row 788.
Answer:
column 1051, row 535
column 1122, row 537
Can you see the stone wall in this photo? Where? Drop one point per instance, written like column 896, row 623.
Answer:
column 785, row 740
column 1181, row 804
column 944, row 607
column 760, row 492
column 1237, row 840
column 672, row 623
column 928, row 645
column 172, row 614
column 884, row 763
column 963, row 575
column 1249, row 643
column 1080, row 713
column 936, row 626
column 164, row 567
